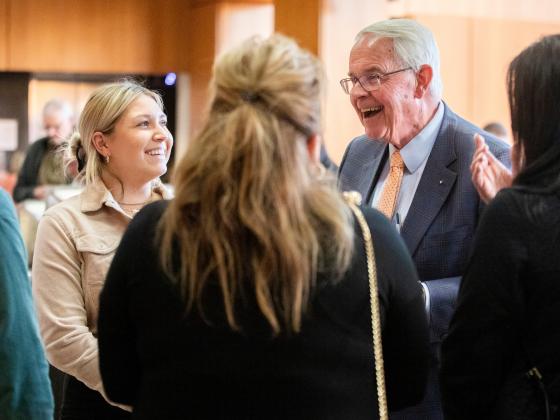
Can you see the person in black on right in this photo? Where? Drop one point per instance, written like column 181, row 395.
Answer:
column 507, row 321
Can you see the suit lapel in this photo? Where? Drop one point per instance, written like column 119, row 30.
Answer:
column 435, row 185
column 372, row 157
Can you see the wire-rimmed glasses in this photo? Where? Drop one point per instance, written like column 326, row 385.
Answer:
column 369, row 82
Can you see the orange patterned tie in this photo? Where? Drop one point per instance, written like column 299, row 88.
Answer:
column 386, row 204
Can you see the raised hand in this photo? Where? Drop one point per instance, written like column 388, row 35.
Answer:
column 488, row 174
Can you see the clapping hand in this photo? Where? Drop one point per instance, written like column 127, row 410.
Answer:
column 488, row 174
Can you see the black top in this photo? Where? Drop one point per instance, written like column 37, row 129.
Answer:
column 29, row 174
column 510, row 295
column 168, row 365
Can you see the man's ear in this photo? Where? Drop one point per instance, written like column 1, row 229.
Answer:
column 100, row 143
column 423, row 79
column 314, row 148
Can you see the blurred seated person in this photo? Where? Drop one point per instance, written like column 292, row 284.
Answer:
column 246, row 297
column 498, row 129
column 122, row 146
column 43, row 163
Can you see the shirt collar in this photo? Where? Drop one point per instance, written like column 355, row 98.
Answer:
column 96, row 194
column 418, row 149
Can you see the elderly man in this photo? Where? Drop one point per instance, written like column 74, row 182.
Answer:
column 43, row 165
column 413, row 165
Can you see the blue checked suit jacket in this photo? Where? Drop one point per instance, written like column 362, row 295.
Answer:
column 439, row 226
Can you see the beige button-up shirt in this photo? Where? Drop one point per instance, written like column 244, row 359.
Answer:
column 76, row 241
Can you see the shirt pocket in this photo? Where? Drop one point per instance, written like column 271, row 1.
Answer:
column 97, row 251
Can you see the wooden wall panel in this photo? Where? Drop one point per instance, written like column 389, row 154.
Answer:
column 3, row 34
column 171, row 36
column 299, row 20
column 96, row 35
column 454, row 38
column 202, row 50
column 496, row 43
column 219, row 26
column 238, row 22
column 338, row 28
column 196, row 3
column 475, row 55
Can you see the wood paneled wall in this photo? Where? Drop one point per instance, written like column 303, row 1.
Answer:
column 124, row 36
column 3, row 34
column 96, row 36
column 147, row 36
column 477, row 41
column 299, row 20
column 475, row 55
column 202, row 52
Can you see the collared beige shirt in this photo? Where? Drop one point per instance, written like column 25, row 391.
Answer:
column 76, row 242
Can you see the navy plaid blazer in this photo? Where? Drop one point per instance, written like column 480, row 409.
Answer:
column 440, row 224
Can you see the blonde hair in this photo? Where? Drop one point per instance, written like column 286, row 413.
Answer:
column 103, row 109
column 250, row 211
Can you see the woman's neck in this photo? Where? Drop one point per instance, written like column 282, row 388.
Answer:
column 126, row 192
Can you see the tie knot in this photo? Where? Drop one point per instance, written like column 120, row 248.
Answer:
column 396, row 160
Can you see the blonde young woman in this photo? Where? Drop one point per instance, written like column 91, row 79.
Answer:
column 122, row 146
column 250, row 299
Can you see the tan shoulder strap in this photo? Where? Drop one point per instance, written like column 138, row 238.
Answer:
column 354, row 199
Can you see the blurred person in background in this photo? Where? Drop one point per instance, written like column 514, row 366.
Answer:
column 247, row 295
column 43, row 165
column 122, row 147
column 505, row 333
column 25, row 390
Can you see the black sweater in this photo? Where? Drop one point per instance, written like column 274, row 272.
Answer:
column 508, row 307
column 170, row 366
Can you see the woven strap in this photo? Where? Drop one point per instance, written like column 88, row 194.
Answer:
column 354, row 199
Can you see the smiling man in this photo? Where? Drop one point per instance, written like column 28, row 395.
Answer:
column 413, row 165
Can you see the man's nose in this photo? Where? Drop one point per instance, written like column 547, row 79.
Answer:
column 358, row 90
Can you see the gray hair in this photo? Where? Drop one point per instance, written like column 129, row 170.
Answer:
column 58, row 105
column 414, row 45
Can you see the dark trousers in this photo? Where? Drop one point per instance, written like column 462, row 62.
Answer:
column 83, row 403
column 58, row 380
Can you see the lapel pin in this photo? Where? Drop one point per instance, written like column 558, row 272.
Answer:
column 441, row 182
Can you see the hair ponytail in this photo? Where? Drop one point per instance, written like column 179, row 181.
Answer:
column 250, row 213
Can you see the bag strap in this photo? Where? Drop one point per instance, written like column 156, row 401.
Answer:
column 533, row 373
column 354, row 199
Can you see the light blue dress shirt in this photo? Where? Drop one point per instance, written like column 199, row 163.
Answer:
column 414, row 155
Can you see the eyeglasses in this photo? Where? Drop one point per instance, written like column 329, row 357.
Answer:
column 368, row 82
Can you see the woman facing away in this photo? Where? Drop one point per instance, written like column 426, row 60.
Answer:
column 508, row 318
column 247, row 295
column 122, row 146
